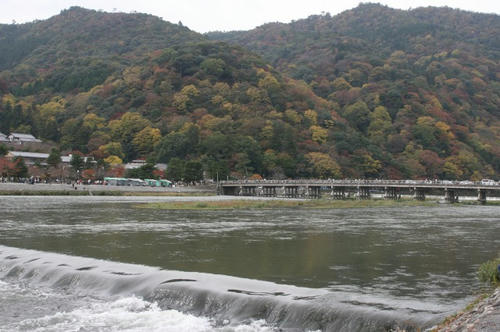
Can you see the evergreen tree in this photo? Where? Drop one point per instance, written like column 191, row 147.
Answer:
column 54, row 158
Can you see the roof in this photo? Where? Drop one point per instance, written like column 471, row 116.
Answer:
column 3, row 138
column 161, row 167
column 134, row 164
column 67, row 159
column 23, row 137
column 29, row 154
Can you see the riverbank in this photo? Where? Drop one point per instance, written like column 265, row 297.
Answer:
column 481, row 315
column 55, row 189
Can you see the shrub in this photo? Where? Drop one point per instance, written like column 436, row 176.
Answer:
column 489, row 271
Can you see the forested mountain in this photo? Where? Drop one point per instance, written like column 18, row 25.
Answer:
column 421, row 84
column 372, row 92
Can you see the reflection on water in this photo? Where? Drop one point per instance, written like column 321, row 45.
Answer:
column 426, row 253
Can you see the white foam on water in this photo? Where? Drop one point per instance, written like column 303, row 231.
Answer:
column 130, row 314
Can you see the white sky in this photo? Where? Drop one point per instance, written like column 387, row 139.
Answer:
column 223, row 15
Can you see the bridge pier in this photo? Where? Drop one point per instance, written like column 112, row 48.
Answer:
column 419, row 194
column 313, row 192
column 291, row 191
column 231, row 191
column 450, row 195
column 363, row 192
column 248, row 191
column 392, row 193
column 338, row 192
column 269, row 191
column 481, row 196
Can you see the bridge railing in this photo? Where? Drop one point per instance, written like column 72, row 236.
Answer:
column 350, row 182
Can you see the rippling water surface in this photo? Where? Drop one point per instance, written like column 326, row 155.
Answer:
column 411, row 264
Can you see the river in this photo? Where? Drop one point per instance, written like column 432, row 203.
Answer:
column 105, row 264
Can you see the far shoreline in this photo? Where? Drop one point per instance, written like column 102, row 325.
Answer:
column 238, row 202
column 58, row 189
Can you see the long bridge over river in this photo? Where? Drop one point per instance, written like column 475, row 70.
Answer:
column 361, row 189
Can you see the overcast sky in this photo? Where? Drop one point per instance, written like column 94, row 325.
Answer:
column 223, row 15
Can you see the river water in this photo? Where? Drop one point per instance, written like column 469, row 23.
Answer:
column 104, row 264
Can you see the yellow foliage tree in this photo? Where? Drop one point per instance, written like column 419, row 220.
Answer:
column 93, row 121
column 113, row 160
column 145, row 140
column 267, row 131
column 341, row 84
column 127, row 126
column 318, row 134
column 183, row 99
column 444, row 129
column 380, row 123
column 111, row 149
column 269, row 83
column 323, row 165
column 451, row 170
column 293, row 116
column 312, row 117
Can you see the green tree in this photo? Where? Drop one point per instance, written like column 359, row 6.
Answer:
column 215, row 67
column 54, row 158
column 76, row 162
column 143, row 172
column 425, row 133
column 175, row 169
column 358, row 115
column 179, row 144
column 193, row 171
column 216, row 169
column 20, row 168
column 3, row 150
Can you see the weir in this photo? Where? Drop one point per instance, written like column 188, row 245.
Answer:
column 341, row 189
column 223, row 298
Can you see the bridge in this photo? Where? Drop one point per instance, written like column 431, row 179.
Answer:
column 361, row 189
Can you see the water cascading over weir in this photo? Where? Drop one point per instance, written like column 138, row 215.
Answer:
column 227, row 300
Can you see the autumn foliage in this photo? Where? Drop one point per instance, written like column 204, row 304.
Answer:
column 372, row 92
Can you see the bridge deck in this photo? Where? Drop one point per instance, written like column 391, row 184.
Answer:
column 363, row 183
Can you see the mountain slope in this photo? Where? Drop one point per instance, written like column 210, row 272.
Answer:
column 131, row 85
column 427, row 67
column 372, row 92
